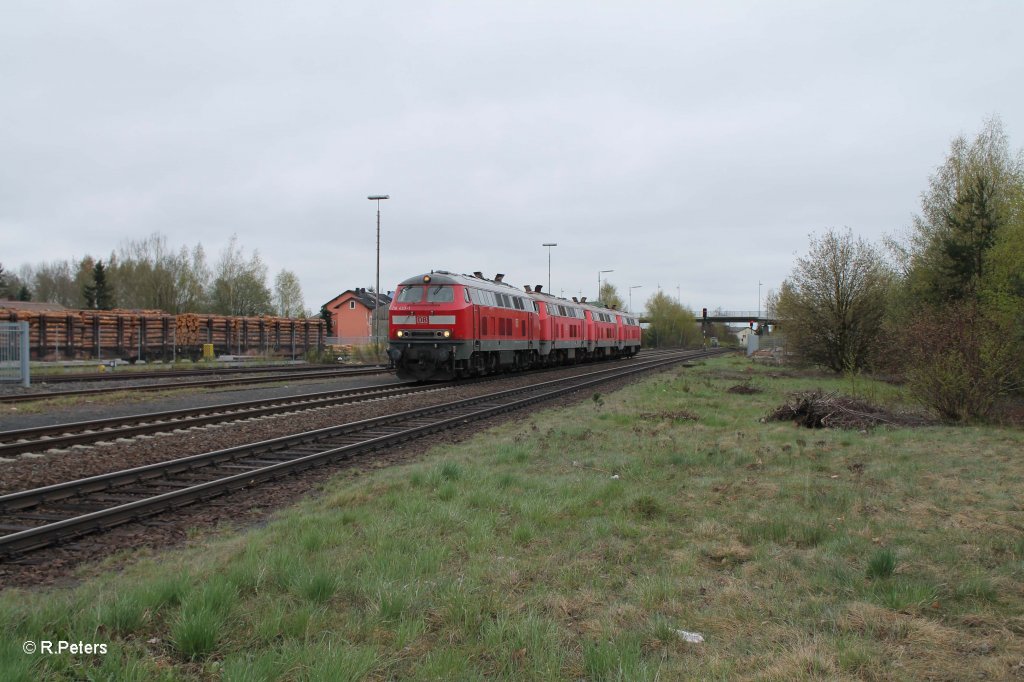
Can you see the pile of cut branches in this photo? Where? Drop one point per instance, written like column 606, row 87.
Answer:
column 817, row 410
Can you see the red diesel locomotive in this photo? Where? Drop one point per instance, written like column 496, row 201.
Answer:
column 444, row 326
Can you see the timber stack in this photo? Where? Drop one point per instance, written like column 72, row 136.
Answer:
column 56, row 333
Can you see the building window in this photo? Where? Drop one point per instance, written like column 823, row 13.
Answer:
column 351, row 305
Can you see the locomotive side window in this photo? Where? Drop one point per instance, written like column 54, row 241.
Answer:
column 465, row 294
column 412, row 294
column 440, row 294
column 519, row 303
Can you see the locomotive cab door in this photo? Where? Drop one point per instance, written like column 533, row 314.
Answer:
column 476, row 327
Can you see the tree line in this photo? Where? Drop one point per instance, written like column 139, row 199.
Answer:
column 670, row 324
column 148, row 274
column 941, row 306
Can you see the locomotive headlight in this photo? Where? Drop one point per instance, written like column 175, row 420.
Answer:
column 447, row 333
column 399, row 333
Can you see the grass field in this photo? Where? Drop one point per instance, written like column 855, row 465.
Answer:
column 578, row 543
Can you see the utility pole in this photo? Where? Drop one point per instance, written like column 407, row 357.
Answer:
column 376, row 312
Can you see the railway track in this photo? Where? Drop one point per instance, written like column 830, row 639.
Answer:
column 201, row 383
column 131, row 375
column 54, row 514
column 39, row 439
column 42, row 438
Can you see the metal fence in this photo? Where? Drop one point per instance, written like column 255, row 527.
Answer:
column 14, row 352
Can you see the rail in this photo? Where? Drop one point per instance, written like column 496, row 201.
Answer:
column 43, row 516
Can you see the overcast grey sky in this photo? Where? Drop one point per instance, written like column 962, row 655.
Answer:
column 687, row 145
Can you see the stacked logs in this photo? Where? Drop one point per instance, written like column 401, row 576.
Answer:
column 187, row 326
column 153, row 334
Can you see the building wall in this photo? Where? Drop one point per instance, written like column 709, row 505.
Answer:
column 349, row 321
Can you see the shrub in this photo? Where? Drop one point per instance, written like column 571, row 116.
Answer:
column 960, row 361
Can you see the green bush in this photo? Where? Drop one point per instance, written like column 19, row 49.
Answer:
column 961, row 362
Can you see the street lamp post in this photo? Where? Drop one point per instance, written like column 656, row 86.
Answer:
column 759, row 301
column 376, row 292
column 599, row 272
column 549, row 245
column 635, row 286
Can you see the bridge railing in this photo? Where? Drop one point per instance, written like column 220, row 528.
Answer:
column 751, row 314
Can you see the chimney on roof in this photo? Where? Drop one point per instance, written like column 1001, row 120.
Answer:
column 528, row 289
column 478, row 274
column 499, row 277
column 537, row 288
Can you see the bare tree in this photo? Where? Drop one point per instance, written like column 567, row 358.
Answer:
column 192, row 279
column 145, row 274
column 832, row 305
column 240, row 286
column 54, row 282
column 288, row 295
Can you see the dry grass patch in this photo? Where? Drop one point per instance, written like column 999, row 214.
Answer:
column 809, row 660
column 730, row 552
column 922, row 648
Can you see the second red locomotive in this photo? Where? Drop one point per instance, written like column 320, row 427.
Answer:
column 444, row 326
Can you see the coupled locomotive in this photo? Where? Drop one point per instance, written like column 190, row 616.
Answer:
column 444, row 326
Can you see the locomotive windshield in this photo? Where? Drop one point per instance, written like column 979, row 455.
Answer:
column 413, row 294
column 440, row 294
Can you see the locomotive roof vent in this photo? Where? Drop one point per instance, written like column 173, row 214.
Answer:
column 478, row 274
column 500, row 276
column 583, row 300
column 537, row 288
column 575, row 300
column 528, row 289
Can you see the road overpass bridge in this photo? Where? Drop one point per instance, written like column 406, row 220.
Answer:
column 761, row 317
column 740, row 317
